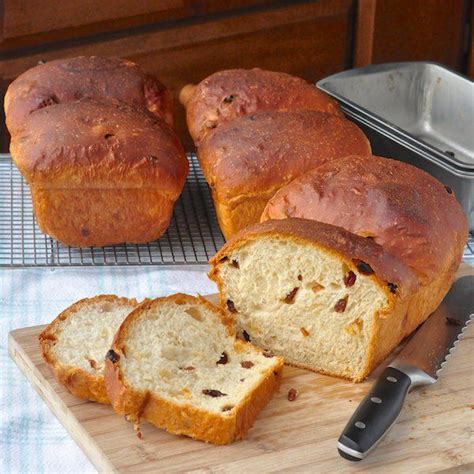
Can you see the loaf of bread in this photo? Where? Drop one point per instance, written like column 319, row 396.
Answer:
column 225, row 95
column 74, row 345
column 405, row 210
column 66, row 80
column 246, row 160
column 100, row 172
column 323, row 298
column 176, row 363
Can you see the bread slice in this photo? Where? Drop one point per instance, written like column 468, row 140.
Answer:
column 76, row 342
column 176, row 363
column 319, row 296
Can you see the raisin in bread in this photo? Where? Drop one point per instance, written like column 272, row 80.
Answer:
column 176, row 363
column 226, row 95
column 319, row 296
column 76, row 342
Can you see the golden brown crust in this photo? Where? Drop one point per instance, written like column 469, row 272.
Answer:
column 186, row 93
column 100, row 173
column 80, row 383
column 66, row 80
column 184, row 418
column 404, row 318
column 259, row 153
column 387, row 268
column 234, row 218
column 225, row 95
column 407, row 211
column 101, row 216
column 95, row 144
column 247, row 160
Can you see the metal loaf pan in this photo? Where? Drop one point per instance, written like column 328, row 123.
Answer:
column 417, row 112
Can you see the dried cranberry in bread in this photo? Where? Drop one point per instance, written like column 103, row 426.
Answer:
column 75, row 344
column 247, row 160
column 100, row 172
column 225, row 95
column 323, row 298
column 66, row 80
column 405, row 210
column 176, row 363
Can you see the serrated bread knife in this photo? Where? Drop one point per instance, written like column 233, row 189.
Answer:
column 419, row 363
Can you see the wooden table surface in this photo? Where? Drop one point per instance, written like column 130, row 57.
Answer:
column 433, row 433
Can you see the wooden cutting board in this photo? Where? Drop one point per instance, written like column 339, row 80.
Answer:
column 434, row 431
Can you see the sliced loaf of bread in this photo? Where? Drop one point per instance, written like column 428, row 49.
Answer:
column 76, row 342
column 176, row 363
column 319, row 296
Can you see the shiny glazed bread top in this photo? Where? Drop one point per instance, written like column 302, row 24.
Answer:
column 225, row 95
column 66, row 80
column 407, row 211
column 98, row 144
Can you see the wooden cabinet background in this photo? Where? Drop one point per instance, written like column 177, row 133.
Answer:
column 183, row 41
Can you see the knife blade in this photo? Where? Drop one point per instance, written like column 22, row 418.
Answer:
column 419, row 363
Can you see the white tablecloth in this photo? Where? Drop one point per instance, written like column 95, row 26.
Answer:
column 31, row 438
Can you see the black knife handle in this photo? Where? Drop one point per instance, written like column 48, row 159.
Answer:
column 375, row 415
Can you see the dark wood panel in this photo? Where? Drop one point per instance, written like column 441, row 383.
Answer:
column 28, row 17
column 34, row 20
column 471, row 46
column 420, row 30
column 4, row 137
column 365, row 27
column 311, row 40
column 31, row 22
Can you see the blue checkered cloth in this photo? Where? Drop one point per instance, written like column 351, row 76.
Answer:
column 31, row 439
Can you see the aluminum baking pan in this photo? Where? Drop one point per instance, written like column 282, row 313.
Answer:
column 403, row 120
column 425, row 100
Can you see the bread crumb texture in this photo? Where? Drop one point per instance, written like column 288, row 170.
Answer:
column 280, row 288
column 185, row 355
column 85, row 335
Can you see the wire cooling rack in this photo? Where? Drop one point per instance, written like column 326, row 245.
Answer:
column 192, row 238
column 469, row 249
